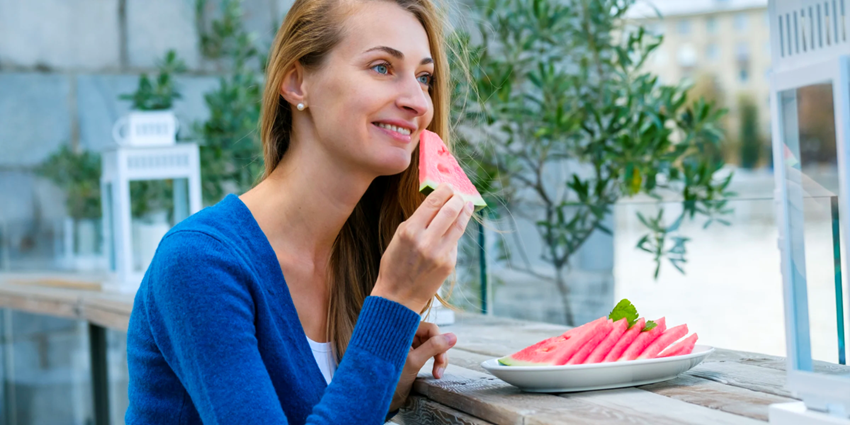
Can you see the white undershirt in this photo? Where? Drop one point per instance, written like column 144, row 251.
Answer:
column 323, row 352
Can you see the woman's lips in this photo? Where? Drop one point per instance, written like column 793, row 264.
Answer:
column 395, row 135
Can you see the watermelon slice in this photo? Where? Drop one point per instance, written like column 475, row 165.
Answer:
column 581, row 355
column 668, row 337
column 541, row 353
column 598, row 354
column 643, row 340
column 628, row 337
column 585, row 326
column 557, row 350
column 437, row 165
column 685, row 346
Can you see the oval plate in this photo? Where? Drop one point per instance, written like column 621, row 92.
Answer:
column 597, row 376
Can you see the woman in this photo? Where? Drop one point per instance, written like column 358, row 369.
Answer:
column 334, row 248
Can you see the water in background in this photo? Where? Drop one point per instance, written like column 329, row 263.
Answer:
column 731, row 294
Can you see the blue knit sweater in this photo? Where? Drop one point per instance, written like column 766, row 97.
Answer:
column 214, row 337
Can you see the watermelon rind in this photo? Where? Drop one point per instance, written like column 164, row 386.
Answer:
column 428, row 186
column 507, row 361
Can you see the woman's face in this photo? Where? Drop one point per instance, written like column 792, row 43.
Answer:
column 370, row 100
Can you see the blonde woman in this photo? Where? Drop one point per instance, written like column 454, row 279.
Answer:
column 322, row 270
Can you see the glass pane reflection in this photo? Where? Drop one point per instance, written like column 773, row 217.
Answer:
column 811, row 171
column 45, row 370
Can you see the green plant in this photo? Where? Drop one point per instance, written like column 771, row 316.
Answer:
column 230, row 144
column 751, row 142
column 569, row 124
column 161, row 93
column 78, row 175
column 149, row 196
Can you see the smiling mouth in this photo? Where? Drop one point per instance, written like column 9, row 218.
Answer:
column 399, row 130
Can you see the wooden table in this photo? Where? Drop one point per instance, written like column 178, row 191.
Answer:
column 730, row 387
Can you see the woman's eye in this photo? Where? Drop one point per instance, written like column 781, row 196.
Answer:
column 381, row 69
column 425, row 79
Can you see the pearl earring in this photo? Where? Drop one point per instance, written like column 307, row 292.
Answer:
column 300, row 106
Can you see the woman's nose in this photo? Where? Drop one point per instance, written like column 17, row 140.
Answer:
column 412, row 98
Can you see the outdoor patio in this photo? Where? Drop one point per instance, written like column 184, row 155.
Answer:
column 689, row 156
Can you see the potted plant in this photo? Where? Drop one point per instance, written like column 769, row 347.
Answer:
column 151, row 209
column 78, row 175
column 152, row 121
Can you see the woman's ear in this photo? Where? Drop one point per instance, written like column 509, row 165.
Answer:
column 293, row 88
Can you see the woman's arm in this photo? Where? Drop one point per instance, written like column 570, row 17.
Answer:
column 202, row 315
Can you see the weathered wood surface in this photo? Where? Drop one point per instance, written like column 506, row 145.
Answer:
column 420, row 410
column 70, row 298
column 730, row 387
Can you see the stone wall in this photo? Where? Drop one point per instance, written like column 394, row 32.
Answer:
column 63, row 64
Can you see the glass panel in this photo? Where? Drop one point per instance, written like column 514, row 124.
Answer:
column 153, row 212
column 730, row 291
column 729, row 294
column 811, row 168
column 119, row 377
column 109, row 223
column 46, row 370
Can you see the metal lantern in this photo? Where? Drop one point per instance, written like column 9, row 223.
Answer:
column 810, row 111
column 124, row 164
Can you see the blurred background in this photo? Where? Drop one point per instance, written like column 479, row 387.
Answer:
column 623, row 148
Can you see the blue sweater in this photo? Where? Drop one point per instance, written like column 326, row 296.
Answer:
column 214, row 337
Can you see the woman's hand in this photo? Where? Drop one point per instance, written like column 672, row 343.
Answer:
column 427, row 343
column 423, row 251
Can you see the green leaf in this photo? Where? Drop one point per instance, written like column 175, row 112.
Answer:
column 650, row 325
column 624, row 310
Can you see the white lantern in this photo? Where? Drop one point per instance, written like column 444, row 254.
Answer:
column 131, row 245
column 810, row 111
column 146, row 128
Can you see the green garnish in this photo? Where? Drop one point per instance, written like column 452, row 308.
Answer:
column 650, row 325
column 625, row 310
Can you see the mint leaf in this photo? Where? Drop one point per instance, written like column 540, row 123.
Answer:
column 624, row 310
column 650, row 325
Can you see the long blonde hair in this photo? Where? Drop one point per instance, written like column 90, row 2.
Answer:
column 308, row 33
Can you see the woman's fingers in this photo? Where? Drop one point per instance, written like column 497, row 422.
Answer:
column 455, row 231
column 434, row 347
column 454, row 208
column 423, row 215
column 424, row 332
column 441, row 361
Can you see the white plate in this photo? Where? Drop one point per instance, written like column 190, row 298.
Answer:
column 598, row 376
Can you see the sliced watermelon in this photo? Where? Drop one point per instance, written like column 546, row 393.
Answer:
column 685, row 346
column 541, row 353
column 557, row 350
column 581, row 355
column 628, row 337
column 668, row 337
column 437, row 165
column 643, row 340
column 585, row 326
column 604, row 347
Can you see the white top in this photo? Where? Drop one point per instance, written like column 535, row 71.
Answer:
column 323, row 352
